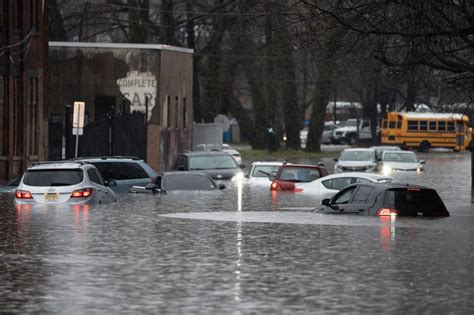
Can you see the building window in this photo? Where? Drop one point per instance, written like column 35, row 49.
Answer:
column 176, row 111
column 185, row 122
column 33, row 110
column 168, row 110
column 3, row 115
column 18, row 119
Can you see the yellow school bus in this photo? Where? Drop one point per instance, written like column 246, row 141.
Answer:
column 427, row 130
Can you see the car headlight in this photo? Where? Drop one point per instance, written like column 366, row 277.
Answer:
column 386, row 170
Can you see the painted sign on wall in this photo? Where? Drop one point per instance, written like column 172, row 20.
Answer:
column 138, row 86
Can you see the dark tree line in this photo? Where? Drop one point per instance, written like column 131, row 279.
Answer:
column 268, row 62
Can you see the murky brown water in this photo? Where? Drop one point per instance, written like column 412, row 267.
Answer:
column 248, row 252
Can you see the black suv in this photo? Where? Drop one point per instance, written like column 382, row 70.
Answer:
column 127, row 171
column 390, row 199
column 219, row 165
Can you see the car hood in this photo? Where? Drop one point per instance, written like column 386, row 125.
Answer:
column 226, row 173
column 355, row 163
column 403, row 165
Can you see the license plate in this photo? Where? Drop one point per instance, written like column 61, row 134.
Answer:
column 51, row 196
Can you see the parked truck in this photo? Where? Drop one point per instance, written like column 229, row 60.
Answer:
column 353, row 130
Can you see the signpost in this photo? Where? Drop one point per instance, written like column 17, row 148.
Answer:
column 78, row 122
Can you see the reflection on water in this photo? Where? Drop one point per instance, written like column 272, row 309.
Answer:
column 242, row 250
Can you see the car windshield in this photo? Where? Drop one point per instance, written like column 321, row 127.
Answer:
column 299, row 174
column 187, row 182
column 399, row 157
column 211, row 162
column 411, row 201
column 265, row 170
column 354, row 155
column 58, row 177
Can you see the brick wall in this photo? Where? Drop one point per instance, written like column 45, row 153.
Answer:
column 23, row 69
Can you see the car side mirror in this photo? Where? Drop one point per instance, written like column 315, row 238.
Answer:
column 326, row 202
column 242, row 166
column 221, row 186
column 110, row 183
column 422, row 162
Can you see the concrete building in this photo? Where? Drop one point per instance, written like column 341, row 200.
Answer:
column 23, row 73
column 115, row 80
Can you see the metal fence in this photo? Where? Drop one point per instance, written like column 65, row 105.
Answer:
column 115, row 135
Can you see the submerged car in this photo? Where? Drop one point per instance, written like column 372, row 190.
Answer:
column 290, row 174
column 219, row 165
column 356, row 160
column 227, row 148
column 400, row 161
column 64, row 182
column 126, row 171
column 328, row 186
column 390, row 199
column 262, row 172
column 178, row 181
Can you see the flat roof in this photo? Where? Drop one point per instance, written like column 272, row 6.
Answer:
column 417, row 115
column 120, row 46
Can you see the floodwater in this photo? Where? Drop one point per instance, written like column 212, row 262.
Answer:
column 241, row 251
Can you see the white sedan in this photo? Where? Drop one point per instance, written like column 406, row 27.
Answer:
column 260, row 172
column 227, row 148
column 328, row 186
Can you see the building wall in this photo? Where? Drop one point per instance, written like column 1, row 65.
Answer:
column 130, row 76
column 171, row 123
column 23, row 72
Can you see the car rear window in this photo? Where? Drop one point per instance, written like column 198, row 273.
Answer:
column 210, row 162
column 187, row 182
column 299, row 174
column 120, row 170
column 59, row 177
column 415, row 201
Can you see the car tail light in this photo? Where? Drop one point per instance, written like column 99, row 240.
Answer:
column 82, row 193
column 23, row 194
column 298, row 189
column 275, row 186
column 387, row 211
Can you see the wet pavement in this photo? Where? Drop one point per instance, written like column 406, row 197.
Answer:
column 244, row 250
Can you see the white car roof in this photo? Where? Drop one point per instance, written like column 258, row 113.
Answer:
column 369, row 176
column 267, row 163
column 358, row 149
column 47, row 166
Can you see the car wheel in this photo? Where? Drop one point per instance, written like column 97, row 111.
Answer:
column 352, row 139
column 424, row 146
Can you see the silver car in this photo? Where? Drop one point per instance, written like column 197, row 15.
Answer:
column 400, row 161
column 63, row 183
column 356, row 160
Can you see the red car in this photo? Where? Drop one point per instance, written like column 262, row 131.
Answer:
column 289, row 174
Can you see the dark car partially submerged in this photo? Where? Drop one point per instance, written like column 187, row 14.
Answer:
column 219, row 165
column 386, row 200
column 179, row 181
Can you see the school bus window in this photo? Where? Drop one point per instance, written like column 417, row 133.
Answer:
column 441, row 125
column 423, row 125
column 399, row 124
column 450, row 125
column 413, row 125
column 432, row 125
column 391, row 125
